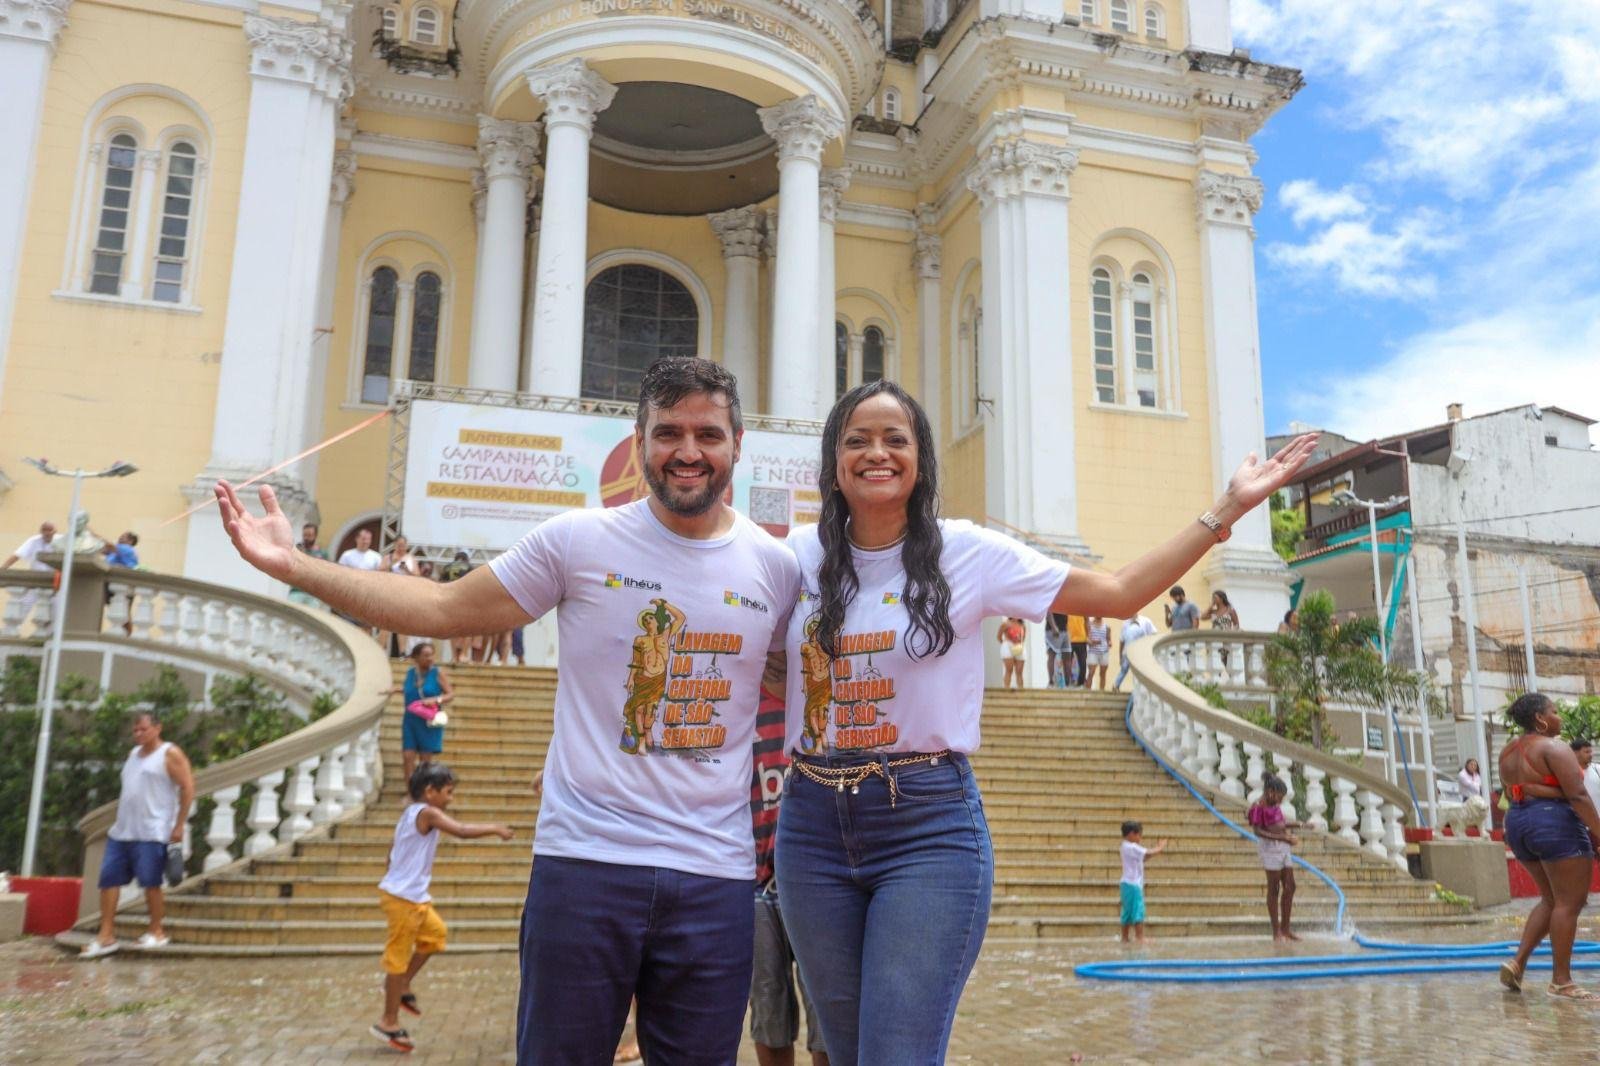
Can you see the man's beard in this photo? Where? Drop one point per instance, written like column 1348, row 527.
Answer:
column 691, row 504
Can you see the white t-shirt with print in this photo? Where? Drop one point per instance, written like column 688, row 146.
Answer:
column 875, row 696
column 663, row 641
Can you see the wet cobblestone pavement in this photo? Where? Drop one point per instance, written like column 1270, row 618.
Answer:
column 1022, row 1006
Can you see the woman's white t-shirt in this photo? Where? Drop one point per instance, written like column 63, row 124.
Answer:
column 876, row 697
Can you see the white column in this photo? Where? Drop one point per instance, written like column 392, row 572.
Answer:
column 340, row 190
column 535, row 218
column 1029, row 455
column 802, row 127
column 925, row 261
column 508, row 150
column 1246, row 567
column 573, row 95
column 300, row 74
column 29, row 30
column 146, row 177
column 739, row 230
column 833, row 182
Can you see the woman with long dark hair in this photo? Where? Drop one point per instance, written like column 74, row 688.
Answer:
column 1550, row 809
column 883, row 852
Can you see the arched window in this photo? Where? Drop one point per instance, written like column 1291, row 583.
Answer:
column 634, row 314
column 425, row 25
column 1155, row 22
column 891, row 105
column 1089, row 11
column 841, row 360
column 1145, row 376
column 116, row 207
column 427, row 296
column 872, row 354
column 1105, row 344
column 177, row 211
column 391, row 23
column 383, row 291
column 1120, row 17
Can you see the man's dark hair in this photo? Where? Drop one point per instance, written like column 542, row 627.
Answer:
column 1176, row 590
column 1131, row 827
column 1579, row 743
column 311, row 526
column 133, row 538
column 429, row 775
column 669, row 380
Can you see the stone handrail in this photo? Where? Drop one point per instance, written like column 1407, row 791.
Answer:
column 1225, row 757
column 331, row 766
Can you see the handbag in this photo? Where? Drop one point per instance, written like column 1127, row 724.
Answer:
column 174, row 864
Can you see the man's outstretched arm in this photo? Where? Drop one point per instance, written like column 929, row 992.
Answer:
column 477, row 603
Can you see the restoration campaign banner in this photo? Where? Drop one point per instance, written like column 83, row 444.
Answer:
column 481, row 477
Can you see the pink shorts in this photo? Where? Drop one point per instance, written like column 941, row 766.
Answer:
column 1275, row 854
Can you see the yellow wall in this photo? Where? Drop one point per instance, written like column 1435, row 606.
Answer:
column 87, row 383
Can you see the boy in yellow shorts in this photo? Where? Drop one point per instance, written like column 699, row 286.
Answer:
column 416, row 932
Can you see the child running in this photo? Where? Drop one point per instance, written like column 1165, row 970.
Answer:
column 416, row 932
column 1273, row 841
column 1133, row 855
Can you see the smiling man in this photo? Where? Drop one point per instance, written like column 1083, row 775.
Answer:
column 666, row 608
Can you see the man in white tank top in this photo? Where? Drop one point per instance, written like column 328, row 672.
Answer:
column 157, row 791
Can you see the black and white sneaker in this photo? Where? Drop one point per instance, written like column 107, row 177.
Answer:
column 398, row 1039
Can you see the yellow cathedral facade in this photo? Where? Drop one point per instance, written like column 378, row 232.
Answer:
column 229, row 228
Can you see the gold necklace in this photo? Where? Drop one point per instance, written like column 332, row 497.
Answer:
column 877, row 547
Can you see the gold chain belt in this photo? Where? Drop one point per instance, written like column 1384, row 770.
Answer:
column 839, row 777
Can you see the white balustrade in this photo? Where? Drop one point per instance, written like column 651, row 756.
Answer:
column 330, row 786
column 1394, row 835
column 43, row 614
column 144, row 611
column 263, row 814
column 19, row 602
column 1255, row 770
column 1284, row 769
column 1316, row 799
column 1345, row 815
column 236, row 638
column 300, row 800
column 118, row 608
column 1257, row 670
column 356, row 780
column 214, row 638
column 1372, row 822
column 221, row 833
column 1189, row 740
column 1207, row 757
column 1229, row 767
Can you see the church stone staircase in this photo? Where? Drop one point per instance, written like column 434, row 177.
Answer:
column 1059, row 774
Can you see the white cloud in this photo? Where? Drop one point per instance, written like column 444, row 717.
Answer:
column 1544, row 354
column 1309, row 202
column 1360, row 254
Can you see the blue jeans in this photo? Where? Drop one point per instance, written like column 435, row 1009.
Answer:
column 886, row 905
column 597, row 934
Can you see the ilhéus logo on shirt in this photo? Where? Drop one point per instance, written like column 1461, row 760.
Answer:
column 616, row 580
column 673, row 673
column 734, row 599
column 891, row 599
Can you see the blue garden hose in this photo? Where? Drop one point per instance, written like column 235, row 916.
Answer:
column 1394, row 958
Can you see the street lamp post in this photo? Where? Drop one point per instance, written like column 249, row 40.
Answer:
column 52, row 662
column 1350, row 499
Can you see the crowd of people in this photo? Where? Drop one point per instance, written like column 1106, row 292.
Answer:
column 1077, row 647
column 640, row 890
column 502, row 647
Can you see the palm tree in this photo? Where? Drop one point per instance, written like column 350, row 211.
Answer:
column 1325, row 661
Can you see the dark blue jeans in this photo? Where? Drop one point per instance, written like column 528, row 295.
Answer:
column 886, row 905
column 595, row 935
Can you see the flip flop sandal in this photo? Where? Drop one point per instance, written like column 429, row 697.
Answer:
column 1511, row 977
column 408, row 1003
column 398, row 1039
column 1571, row 990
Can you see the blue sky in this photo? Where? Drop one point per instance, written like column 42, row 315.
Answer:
column 1431, row 231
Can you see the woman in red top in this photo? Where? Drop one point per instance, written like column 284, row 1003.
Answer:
column 1011, row 636
column 1545, row 830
